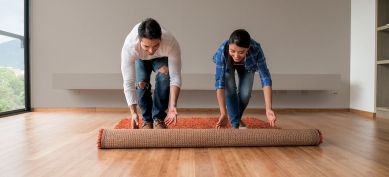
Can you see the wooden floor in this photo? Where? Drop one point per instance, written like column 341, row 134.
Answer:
column 64, row 144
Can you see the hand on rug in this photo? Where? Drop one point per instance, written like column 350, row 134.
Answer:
column 222, row 122
column 134, row 121
column 271, row 117
column 171, row 118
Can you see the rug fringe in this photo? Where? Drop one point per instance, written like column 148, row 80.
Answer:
column 99, row 138
column 321, row 136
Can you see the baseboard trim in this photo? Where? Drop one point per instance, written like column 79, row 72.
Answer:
column 370, row 115
column 80, row 109
column 194, row 110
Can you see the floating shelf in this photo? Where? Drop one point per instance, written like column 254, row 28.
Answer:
column 196, row 81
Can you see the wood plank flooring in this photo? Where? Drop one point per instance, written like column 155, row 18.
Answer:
column 64, row 144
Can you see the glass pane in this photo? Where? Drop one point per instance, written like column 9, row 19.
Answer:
column 12, row 16
column 11, row 74
column 11, row 55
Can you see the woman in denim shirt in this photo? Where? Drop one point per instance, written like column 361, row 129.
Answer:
column 244, row 55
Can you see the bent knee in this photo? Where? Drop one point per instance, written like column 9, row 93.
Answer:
column 163, row 69
column 142, row 85
column 245, row 97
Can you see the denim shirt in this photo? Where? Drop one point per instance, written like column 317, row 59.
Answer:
column 255, row 61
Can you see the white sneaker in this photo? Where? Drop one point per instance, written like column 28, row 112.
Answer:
column 242, row 125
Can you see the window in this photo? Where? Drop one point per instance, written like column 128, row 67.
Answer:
column 14, row 67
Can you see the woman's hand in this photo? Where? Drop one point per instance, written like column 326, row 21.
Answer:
column 222, row 123
column 271, row 117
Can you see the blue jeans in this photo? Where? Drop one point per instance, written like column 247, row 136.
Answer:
column 152, row 108
column 237, row 99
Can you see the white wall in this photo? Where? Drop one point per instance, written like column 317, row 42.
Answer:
column 362, row 55
column 298, row 37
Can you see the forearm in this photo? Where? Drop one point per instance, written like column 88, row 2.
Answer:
column 221, row 101
column 267, row 93
column 128, row 74
column 174, row 93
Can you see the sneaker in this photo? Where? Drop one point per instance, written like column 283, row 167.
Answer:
column 242, row 125
column 147, row 125
column 159, row 124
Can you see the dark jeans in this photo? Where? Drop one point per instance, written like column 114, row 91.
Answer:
column 152, row 108
column 238, row 99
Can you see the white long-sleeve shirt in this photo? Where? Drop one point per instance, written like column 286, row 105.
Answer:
column 132, row 50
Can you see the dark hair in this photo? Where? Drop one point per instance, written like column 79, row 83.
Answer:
column 149, row 29
column 241, row 38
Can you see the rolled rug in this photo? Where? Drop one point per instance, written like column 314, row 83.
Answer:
column 162, row 138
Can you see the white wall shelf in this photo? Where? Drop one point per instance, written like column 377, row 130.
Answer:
column 113, row 81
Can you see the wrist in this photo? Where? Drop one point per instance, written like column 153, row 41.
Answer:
column 172, row 109
column 133, row 109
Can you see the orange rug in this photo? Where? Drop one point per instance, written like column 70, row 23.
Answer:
column 199, row 123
